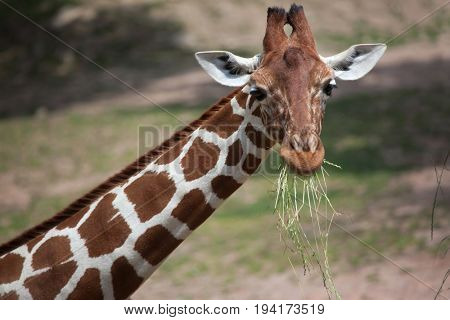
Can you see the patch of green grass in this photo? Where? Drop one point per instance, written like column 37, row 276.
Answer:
column 367, row 133
column 373, row 277
column 16, row 222
column 430, row 30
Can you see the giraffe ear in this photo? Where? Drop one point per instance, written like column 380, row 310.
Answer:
column 356, row 61
column 227, row 68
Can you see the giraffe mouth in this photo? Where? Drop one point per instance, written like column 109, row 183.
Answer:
column 303, row 162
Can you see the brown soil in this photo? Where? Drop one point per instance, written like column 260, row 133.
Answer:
column 398, row 69
column 376, row 281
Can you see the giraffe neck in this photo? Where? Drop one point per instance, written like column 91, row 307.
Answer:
column 109, row 248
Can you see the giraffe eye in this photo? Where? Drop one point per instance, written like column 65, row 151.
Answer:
column 328, row 87
column 258, row 93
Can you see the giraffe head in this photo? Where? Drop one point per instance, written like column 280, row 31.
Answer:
column 292, row 82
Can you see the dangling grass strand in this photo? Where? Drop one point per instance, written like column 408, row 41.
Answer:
column 304, row 209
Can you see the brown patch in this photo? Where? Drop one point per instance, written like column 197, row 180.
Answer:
column 171, row 154
column 225, row 123
column 102, row 233
column 257, row 112
column 251, row 163
column 33, row 242
column 54, row 250
column 201, row 157
column 258, row 138
column 47, row 285
column 88, row 288
column 12, row 295
column 10, row 267
column 235, row 152
column 150, row 194
column 224, row 186
column 241, row 99
column 72, row 221
column 193, row 209
column 117, row 179
column 156, row 244
column 124, row 278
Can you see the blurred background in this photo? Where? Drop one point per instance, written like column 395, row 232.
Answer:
column 66, row 125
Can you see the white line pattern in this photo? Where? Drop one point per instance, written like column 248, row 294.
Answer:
column 126, row 209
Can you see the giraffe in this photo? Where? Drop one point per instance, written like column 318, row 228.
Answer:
column 107, row 243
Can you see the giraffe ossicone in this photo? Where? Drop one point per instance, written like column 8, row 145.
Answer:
column 107, row 243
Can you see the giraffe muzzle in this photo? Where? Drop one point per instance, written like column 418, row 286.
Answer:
column 304, row 155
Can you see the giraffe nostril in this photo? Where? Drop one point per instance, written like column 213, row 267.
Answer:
column 307, row 143
column 296, row 142
column 313, row 141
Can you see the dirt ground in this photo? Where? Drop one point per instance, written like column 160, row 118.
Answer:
column 375, row 281
column 399, row 69
column 387, row 274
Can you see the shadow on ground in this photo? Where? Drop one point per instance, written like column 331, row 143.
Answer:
column 38, row 72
